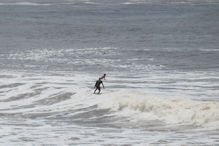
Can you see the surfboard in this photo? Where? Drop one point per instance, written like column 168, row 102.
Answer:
column 97, row 93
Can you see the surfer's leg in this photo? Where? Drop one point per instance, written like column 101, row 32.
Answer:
column 95, row 90
column 99, row 90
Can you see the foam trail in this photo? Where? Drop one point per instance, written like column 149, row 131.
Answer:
column 143, row 107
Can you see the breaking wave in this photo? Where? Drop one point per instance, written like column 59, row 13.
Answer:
column 69, row 97
column 143, row 107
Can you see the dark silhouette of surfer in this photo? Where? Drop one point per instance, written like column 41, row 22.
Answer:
column 98, row 83
column 97, row 86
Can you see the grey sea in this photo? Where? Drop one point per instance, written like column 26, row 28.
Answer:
column 161, row 59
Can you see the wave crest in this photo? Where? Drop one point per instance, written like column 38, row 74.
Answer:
column 143, row 107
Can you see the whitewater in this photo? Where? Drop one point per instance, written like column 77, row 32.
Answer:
column 161, row 60
column 57, row 109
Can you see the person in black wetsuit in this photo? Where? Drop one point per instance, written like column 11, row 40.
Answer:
column 97, row 85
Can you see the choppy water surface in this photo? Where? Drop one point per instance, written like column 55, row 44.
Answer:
column 161, row 59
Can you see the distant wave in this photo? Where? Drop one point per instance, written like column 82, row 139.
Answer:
column 209, row 50
column 42, row 4
column 26, row 4
column 171, row 1
column 128, row 2
column 72, row 57
column 140, row 107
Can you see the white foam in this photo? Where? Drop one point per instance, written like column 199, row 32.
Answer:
column 141, row 106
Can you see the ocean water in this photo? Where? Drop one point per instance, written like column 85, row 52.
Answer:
column 161, row 58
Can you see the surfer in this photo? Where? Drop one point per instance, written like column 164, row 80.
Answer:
column 97, row 86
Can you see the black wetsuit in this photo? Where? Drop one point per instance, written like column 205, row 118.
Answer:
column 97, row 85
